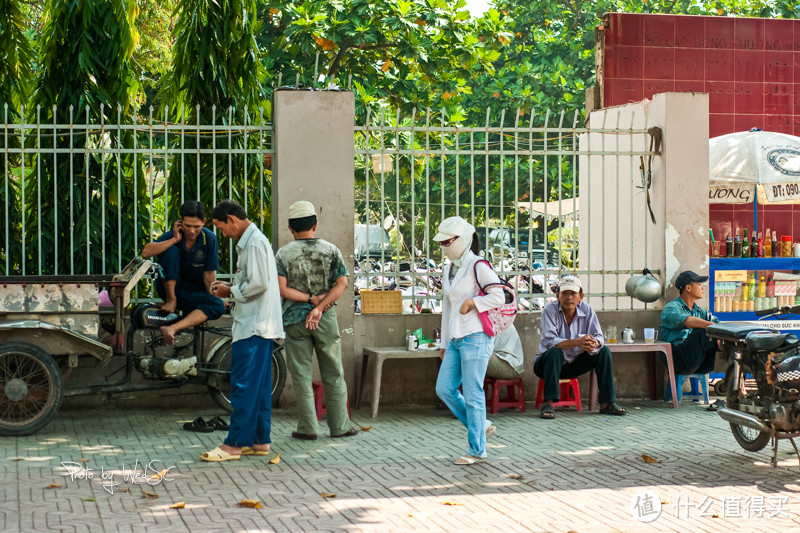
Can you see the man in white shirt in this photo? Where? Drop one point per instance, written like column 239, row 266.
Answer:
column 256, row 322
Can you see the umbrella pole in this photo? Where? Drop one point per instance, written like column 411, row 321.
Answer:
column 755, row 209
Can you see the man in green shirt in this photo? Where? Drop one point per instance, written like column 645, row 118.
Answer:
column 684, row 323
column 311, row 277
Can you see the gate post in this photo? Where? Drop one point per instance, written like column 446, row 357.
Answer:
column 314, row 158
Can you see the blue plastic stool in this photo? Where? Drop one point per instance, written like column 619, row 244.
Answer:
column 696, row 380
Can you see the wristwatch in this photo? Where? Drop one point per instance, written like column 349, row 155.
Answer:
column 309, row 298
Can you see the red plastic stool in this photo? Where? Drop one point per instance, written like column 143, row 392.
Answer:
column 512, row 399
column 316, row 386
column 570, row 394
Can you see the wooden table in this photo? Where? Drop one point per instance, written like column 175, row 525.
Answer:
column 649, row 348
column 380, row 355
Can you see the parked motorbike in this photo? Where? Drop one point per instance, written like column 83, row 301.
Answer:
column 762, row 381
column 52, row 325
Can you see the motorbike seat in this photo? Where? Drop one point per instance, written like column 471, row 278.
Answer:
column 735, row 331
column 764, row 341
column 147, row 316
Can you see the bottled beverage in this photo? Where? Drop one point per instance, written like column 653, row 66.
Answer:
column 762, row 288
column 729, row 246
column 737, row 246
column 771, row 287
column 753, row 244
column 768, row 244
column 760, row 246
column 775, row 248
column 745, row 245
column 751, row 289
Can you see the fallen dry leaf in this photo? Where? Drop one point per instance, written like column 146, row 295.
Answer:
column 127, row 489
column 327, row 495
column 149, row 494
column 159, row 475
column 89, row 499
column 366, row 428
column 647, row 459
column 515, row 476
column 18, row 459
column 53, row 486
column 275, row 460
column 179, row 505
column 451, row 503
column 82, row 460
column 253, row 504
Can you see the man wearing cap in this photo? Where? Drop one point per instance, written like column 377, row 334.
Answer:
column 572, row 345
column 684, row 323
column 312, row 276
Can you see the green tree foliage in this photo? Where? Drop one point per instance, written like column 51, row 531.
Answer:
column 406, row 53
column 15, row 63
column 85, row 75
column 216, row 78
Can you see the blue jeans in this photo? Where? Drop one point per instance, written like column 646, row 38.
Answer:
column 464, row 363
column 251, row 392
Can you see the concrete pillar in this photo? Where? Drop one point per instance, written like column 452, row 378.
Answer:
column 613, row 211
column 314, row 156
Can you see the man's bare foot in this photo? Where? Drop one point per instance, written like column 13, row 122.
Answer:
column 231, row 450
column 260, row 447
column 168, row 332
column 169, row 306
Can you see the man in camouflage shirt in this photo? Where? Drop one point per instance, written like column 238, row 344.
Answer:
column 311, row 277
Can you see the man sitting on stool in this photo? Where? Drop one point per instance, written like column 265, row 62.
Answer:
column 571, row 345
column 507, row 359
column 684, row 323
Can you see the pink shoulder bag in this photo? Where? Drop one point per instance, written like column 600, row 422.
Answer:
column 496, row 320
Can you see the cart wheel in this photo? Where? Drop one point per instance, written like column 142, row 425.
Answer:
column 220, row 390
column 719, row 387
column 30, row 388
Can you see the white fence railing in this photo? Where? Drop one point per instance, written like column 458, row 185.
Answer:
column 516, row 178
column 81, row 194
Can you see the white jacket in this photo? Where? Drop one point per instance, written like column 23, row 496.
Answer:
column 464, row 285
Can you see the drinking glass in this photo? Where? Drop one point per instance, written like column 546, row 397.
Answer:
column 611, row 334
column 650, row 335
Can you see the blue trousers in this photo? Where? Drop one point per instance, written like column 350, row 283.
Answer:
column 465, row 361
column 190, row 296
column 251, row 392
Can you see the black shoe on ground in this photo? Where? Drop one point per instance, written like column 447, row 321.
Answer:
column 351, row 433
column 304, row 436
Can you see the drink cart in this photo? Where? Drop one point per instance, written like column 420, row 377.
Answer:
column 733, row 298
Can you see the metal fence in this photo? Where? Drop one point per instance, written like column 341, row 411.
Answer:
column 517, row 178
column 82, row 193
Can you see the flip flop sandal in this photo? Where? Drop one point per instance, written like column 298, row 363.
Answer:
column 199, row 425
column 466, row 460
column 491, row 431
column 547, row 412
column 218, row 424
column 218, row 455
column 716, row 406
column 247, row 450
column 613, row 409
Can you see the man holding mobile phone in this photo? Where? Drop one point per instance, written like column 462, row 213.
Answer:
column 189, row 257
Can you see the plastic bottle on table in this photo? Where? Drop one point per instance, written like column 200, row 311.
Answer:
column 762, row 288
column 771, row 287
column 751, row 287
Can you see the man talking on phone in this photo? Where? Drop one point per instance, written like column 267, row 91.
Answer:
column 189, row 256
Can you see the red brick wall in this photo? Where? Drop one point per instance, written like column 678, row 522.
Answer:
column 749, row 67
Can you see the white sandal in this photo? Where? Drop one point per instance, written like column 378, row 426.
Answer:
column 465, row 460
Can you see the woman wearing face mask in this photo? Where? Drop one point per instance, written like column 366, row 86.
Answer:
column 466, row 348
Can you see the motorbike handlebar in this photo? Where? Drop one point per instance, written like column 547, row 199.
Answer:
column 785, row 310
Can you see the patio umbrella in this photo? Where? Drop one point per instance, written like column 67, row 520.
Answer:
column 738, row 162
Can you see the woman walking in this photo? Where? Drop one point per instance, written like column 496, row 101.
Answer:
column 465, row 347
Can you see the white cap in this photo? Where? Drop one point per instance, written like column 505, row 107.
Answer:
column 453, row 227
column 301, row 209
column 569, row 283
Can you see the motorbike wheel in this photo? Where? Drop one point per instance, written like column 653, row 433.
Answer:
column 31, row 390
column 749, row 439
column 221, row 363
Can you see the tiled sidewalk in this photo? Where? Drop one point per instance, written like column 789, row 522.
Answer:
column 580, row 472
